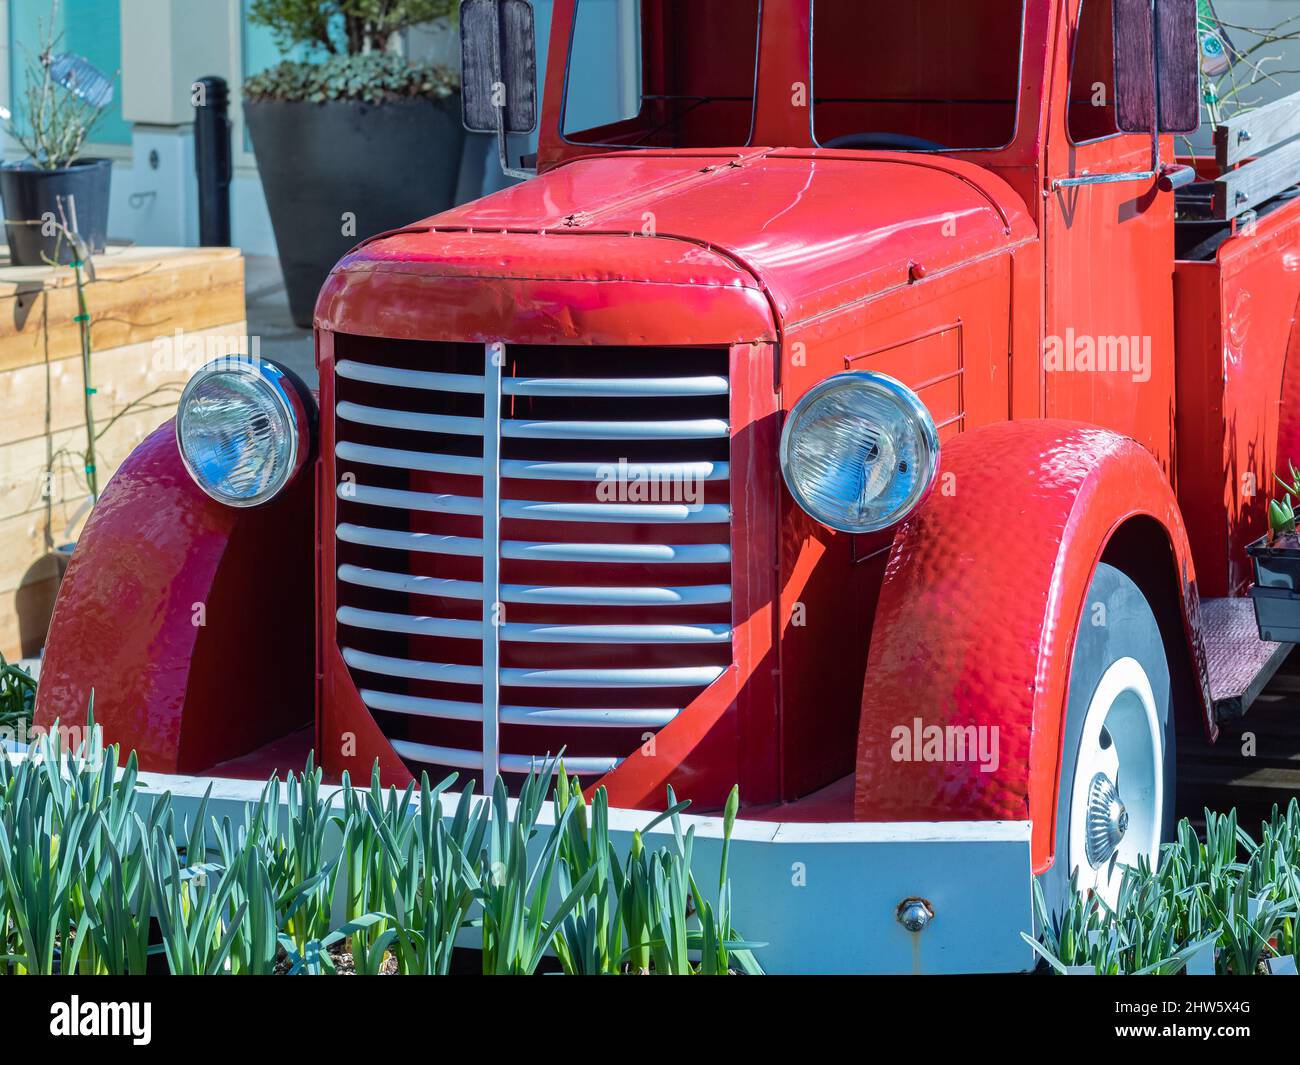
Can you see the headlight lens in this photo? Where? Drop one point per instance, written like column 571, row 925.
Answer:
column 243, row 430
column 859, row 452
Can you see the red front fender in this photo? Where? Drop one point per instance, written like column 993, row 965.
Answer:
column 192, row 622
column 977, row 616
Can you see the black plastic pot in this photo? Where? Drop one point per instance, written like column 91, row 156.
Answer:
column 335, row 173
column 1276, row 592
column 35, row 196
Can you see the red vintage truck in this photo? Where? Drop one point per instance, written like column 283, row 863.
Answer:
column 874, row 415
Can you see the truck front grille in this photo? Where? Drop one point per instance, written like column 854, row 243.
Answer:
column 533, row 545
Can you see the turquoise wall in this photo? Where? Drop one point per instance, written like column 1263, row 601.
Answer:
column 90, row 28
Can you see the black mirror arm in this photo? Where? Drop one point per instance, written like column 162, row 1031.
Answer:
column 498, row 78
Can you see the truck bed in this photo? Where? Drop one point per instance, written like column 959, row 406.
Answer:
column 1235, row 305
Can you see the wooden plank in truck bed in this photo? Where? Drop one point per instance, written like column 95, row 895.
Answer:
column 1255, row 132
column 1249, row 186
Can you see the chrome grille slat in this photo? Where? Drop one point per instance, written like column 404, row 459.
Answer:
column 508, row 763
column 515, row 677
column 618, row 513
column 401, row 540
column 580, row 423
column 527, row 469
column 696, row 554
column 534, row 470
column 516, row 632
column 549, row 717
column 454, row 424
column 616, row 387
column 607, row 387
column 397, row 459
column 436, row 672
column 401, row 499
column 594, row 595
column 689, row 429
column 537, row 510
column 469, row 547
column 522, row 429
column 462, row 383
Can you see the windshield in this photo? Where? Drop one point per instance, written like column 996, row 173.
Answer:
column 916, row 75
column 662, row 73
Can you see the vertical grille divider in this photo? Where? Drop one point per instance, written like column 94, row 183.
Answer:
column 494, row 361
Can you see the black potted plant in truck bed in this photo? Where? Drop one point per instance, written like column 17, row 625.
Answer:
column 355, row 139
column 54, row 191
column 1276, row 558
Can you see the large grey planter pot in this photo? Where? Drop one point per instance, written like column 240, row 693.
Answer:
column 31, row 194
column 335, row 173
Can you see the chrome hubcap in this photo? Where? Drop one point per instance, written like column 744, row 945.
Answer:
column 1120, row 745
column 1107, row 821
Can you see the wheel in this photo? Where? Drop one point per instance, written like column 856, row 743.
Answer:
column 1116, row 798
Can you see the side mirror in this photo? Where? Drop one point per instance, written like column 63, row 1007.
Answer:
column 498, row 53
column 1157, row 66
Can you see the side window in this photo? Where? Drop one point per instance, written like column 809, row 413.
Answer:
column 1092, row 79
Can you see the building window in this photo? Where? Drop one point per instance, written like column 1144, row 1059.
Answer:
column 89, row 28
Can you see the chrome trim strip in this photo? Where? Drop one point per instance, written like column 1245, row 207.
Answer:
column 493, row 360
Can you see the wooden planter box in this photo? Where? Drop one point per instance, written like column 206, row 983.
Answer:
column 139, row 300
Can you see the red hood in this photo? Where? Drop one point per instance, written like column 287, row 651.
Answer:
column 810, row 230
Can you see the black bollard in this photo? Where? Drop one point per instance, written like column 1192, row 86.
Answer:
column 212, row 160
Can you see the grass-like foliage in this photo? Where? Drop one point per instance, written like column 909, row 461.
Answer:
column 1227, row 894
column 17, row 698
column 96, row 880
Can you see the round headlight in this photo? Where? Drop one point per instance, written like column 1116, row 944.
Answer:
column 859, row 451
column 243, row 430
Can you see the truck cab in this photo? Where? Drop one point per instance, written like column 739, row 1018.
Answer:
column 831, row 414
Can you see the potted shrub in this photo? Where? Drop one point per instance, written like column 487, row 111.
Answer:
column 54, row 190
column 353, row 139
column 1276, row 558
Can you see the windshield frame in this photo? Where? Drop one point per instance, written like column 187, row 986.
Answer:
column 604, row 145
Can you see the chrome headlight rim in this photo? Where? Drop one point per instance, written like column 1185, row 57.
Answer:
column 292, row 400
column 910, row 405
